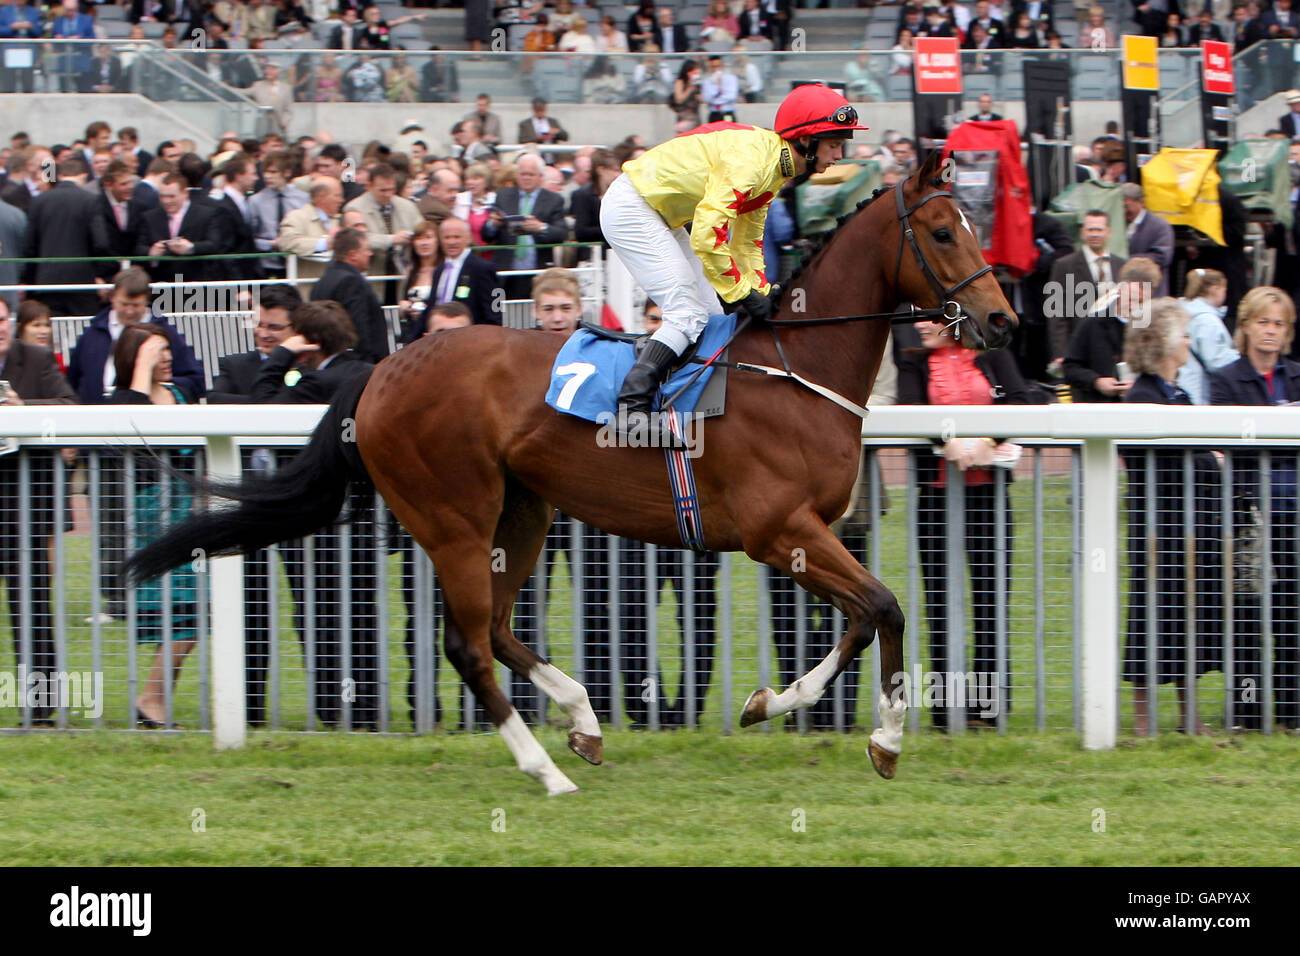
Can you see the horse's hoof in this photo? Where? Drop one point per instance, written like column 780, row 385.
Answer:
column 755, row 711
column 587, row 746
column 884, row 762
column 557, row 783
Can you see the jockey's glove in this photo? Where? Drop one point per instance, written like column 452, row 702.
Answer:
column 756, row 305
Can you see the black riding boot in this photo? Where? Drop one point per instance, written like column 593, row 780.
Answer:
column 636, row 421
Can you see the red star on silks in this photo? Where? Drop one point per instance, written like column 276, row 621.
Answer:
column 734, row 271
column 762, row 276
column 759, row 243
column 744, row 204
column 720, row 235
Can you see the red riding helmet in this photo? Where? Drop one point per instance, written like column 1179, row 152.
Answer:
column 815, row 110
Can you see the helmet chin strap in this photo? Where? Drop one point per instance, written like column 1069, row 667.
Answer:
column 809, row 154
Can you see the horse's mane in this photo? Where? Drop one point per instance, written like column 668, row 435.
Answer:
column 819, row 246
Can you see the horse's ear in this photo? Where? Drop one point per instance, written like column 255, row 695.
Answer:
column 929, row 171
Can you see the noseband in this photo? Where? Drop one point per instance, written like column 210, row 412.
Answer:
column 952, row 309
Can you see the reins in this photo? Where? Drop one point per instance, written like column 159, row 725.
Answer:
column 951, row 311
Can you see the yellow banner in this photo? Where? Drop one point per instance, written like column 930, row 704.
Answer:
column 1182, row 187
column 1141, row 65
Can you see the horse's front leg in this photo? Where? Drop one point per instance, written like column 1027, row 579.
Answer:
column 810, row 553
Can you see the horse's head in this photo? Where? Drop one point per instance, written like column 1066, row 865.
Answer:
column 940, row 262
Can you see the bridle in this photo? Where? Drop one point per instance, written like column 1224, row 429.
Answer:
column 951, row 308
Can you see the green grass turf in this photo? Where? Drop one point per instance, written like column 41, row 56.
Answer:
column 685, row 798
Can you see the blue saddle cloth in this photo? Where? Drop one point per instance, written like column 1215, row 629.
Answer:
column 590, row 370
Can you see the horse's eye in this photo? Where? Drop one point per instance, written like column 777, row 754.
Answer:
column 943, row 235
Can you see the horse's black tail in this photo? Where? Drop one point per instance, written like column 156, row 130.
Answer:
column 299, row 499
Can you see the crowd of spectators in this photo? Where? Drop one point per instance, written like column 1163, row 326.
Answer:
column 258, row 46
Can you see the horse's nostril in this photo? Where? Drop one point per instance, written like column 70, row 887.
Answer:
column 999, row 320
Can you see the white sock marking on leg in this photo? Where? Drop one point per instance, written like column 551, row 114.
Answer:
column 807, row 690
column 889, row 735
column 530, row 756
column 570, row 696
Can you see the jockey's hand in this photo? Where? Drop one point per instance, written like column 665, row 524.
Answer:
column 757, row 306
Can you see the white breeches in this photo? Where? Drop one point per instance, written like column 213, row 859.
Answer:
column 661, row 261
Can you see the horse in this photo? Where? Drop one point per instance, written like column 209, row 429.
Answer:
column 455, row 435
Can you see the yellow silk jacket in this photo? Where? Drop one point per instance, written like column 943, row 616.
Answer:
column 721, row 179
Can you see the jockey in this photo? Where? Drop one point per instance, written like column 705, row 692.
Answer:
column 720, row 178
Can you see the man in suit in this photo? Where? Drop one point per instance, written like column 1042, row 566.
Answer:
column 118, row 212
column 1149, row 236
column 1152, row 15
column 309, row 232
column 270, row 206
column 438, row 200
column 345, row 282
column 540, row 128
column 584, row 204
column 185, row 16
column 468, row 279
column 1281, row 22
column 62, row 224
column 1289, row 123
column 985, row 112
column 146, row 190
column 30, row 172
column 1247, row 27
column 236, row 213
column 181, row 226
column 19, row 21
column 34, row 379
column 106, row 71
column 130, row 140
column 13, row 227
column 1078, row 282
column 333, row 161
column 671, row 35
column 90, row 367
column 1204, row 29
column 1092, row 361
column 347, row 35
column 1051, row 243
column 276, row 95
column 234, row 385
column 997, row 30
column 470, row 147
column 238, row 373
column 542, row 225
column 390, row 220
column 308, row 367
column 73, row 67
column 489, row 123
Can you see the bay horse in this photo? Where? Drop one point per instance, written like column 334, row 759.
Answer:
column 456, row 436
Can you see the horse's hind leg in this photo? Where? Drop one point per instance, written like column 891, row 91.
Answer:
column 820, row 563
column 520, row 534
column 461, row 551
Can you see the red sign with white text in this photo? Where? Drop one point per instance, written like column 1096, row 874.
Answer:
column 938, row 65
column 1216, row 65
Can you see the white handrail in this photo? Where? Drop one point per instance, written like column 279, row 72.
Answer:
column 1117, row 422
